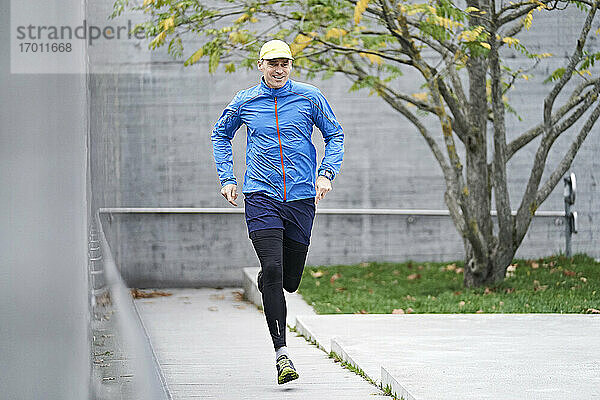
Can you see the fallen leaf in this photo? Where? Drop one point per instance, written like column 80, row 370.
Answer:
column 363, row 312
column 316, row 274
column 141, row 294
column 237, row 295
column 583, row 279
column 364, row 264
column 420, row 267
column 396, row 272
column 501, row 303
column 537, row 286
column 409, row 297
column 239, row 306
column 370, row 291
column 335, row 277
column 458, row 293
column 535, row 265
column 338, row 309
column 511, row 270
column 487, row 291
column 409, row 310
column 567, row 272
column 459, row 270
column 593, row 311
column 317, row 283
column 461, row 303
column 397, row 311
column 412, row 277
column 450, row 267
column 340, row 289
column 217, row 296
column 479, row 311
column 213, row 308
column 510, row 290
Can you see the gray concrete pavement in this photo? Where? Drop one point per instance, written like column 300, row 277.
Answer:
column 211, row 344
column 469, row 356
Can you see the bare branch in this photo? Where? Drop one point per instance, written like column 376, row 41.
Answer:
column 575, row 58
column 534, row 132
column 565, row 163
column 528, row 203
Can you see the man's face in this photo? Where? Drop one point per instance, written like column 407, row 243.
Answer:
column 276, row 71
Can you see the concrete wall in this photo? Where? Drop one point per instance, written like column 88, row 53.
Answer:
column 151, row 123
column 44, row 317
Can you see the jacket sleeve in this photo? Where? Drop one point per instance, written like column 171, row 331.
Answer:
column 223, row 132
column 332, row 132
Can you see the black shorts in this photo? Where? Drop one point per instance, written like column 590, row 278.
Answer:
column 294, row 217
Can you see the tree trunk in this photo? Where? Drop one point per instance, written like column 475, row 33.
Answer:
column 490, row 271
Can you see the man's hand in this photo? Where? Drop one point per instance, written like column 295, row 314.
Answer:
column 230, row 193
column 323, row 186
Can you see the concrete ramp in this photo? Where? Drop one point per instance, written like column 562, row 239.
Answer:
column 468, row 356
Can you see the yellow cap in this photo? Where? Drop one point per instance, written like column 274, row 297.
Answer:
column 275, row 49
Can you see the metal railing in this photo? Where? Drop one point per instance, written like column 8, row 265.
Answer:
column 339, row 211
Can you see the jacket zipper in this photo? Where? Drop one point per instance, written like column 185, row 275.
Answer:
column 280, row 148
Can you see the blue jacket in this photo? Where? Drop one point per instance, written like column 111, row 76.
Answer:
column 281, row 159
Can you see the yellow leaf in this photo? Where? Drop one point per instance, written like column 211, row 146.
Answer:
column 420, row 96
column 528, row 20
column 242, row 19
column 471, row 9
column 168, row 23
column 238, row 37
column 147, row 2
column 374, row 58
column 335, row 33
column 359, row 9
column 598, row 31
column 445, row 22
column 526, row 77
column 195, row 57
column 510, row 41
column 158, row 40
column 486, row 45
column 301, row 42
column 544, row 55
column 470, row 35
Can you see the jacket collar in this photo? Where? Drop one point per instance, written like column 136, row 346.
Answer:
column 275, row 92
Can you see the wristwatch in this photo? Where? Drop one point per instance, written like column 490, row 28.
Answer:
column 327, row 174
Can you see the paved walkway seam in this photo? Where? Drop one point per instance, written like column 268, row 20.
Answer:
column 161, row 376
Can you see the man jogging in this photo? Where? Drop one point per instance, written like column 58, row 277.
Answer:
column 280, row 187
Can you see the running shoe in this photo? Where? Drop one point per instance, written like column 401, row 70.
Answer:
column 285, row 370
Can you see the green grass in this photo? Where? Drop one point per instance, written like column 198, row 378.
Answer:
column 551, row 285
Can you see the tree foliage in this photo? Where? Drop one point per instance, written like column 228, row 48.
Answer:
column 459, row 52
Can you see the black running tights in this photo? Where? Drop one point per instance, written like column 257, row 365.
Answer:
column 282, row 262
